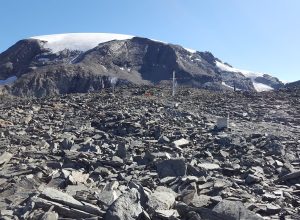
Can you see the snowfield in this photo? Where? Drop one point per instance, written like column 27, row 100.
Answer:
column 78, row 41
column 246, row 73
column 228, row 86
column 83, row 41
column 259, row 87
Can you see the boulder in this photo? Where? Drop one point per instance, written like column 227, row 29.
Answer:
column 172, row 167
column 126, row 207
column 235, row 210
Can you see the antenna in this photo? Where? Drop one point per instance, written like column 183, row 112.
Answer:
column 113, row 82
column 174, row 84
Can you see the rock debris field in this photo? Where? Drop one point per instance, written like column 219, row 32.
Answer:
column 139, row 153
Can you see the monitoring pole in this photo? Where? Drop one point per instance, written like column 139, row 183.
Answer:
column 174, row 82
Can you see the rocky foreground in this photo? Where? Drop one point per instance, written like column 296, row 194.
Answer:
column 141, row 154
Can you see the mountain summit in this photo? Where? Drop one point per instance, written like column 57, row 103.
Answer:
column 84, row 62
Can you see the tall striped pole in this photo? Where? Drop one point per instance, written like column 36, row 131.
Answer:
column 173, row 89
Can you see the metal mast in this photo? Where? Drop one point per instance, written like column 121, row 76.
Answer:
column 174, row 83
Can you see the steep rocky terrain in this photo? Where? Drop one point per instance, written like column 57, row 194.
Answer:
column 61, row 64
column 139, row 153
column 293, row 85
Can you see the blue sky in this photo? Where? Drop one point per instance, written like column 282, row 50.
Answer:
column 258, row 35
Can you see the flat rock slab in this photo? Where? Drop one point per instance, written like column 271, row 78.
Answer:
column 235, row 210
column 61, row 209
column 78, row 177
column 160, row 200
column 61, row 197
column 200, row 200
column 273, row 209
column 181, row 142
column 209, row 166
column 172, row 167
column 5, row 158
column 64, row 198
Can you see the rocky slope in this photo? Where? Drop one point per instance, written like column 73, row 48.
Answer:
column 141, row 154
column 60, row 64
column 293, row 85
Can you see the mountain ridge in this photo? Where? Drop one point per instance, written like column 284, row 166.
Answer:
column 40, row 64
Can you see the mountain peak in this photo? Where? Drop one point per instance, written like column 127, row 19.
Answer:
column 81, row 62
column 78, row 41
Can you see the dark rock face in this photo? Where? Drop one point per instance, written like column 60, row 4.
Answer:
column 60, row 80
column 171, row 168
column 270, row 81
column 293, row 85
column 16, row 60
column 149, row 60
column 237, row 80
column 137, row 61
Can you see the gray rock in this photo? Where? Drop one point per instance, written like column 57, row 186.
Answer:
column 50, row 216
column 172, row 167
column 107, row 197
column 161, row 200
column 5, row 158
column 167, row 214
column 180, row 143
column 235, row 210
column 126, row 207
column 251, row 179
column 200, row 201
column 61, row 197
column 205, row 214
column 209, row 166
column 122, row 151
column 192, row 215
column 65, row 199
column 273, row 209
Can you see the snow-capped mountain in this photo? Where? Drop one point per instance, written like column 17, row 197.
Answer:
column 65, row 63
column 78, row 41
column 261, row 81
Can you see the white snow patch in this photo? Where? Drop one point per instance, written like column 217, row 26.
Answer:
column 187, row 49
column 83, row 41
column 78, row 41
column 190, row 50
column 224, row 84
column 43, row 59
column 259, row 87
column 225, row 67
column 8, row 81
column 246, row 73
column 74, row 59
